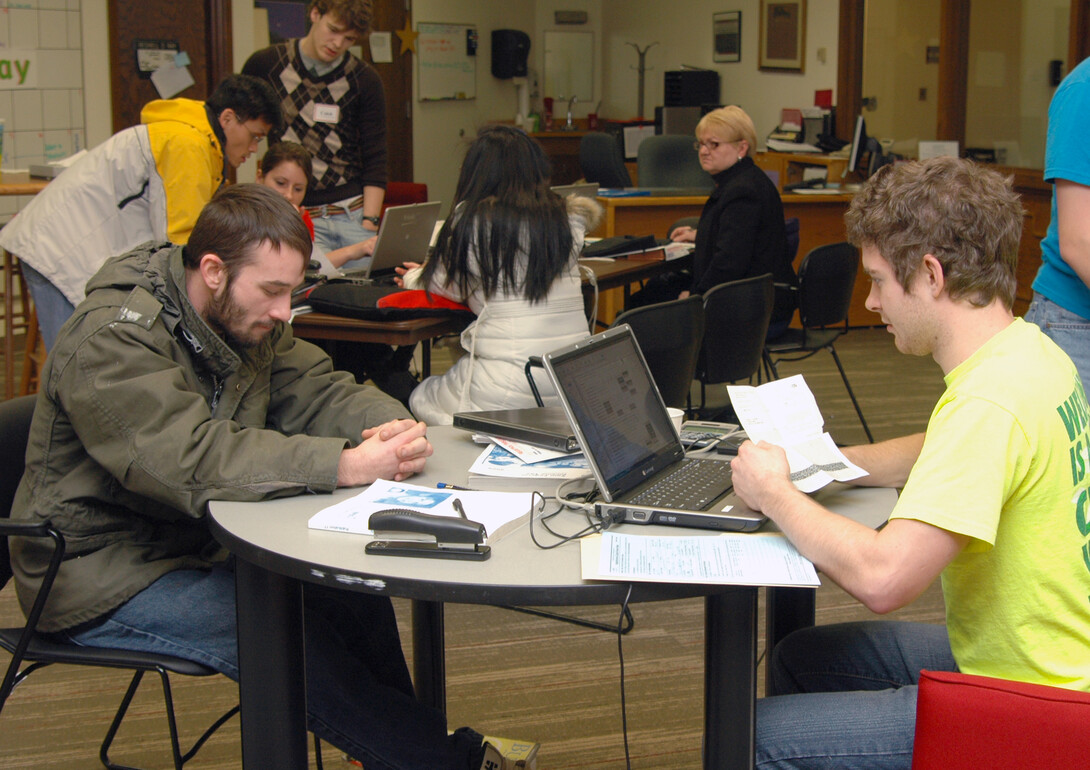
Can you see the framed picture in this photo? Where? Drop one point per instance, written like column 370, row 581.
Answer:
column 727, row 36
column 783, row 35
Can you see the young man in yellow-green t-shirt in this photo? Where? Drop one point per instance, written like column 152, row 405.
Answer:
column 995, row 496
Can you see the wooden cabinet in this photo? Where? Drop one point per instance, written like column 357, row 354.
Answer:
column 562, row 147
column 790, row 167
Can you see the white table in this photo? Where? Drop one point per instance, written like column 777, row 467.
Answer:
column 276, row 551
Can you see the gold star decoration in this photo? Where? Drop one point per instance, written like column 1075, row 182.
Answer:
column 407, row 37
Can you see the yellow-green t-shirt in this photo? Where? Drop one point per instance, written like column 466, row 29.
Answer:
column 1005, row 462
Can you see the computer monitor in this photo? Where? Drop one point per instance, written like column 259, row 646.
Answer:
column 866, row 155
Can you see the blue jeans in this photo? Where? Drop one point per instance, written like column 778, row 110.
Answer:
column 359, row 693
column 339, row 230
column 52, row 306
column 845, row 695
column 1071, row 332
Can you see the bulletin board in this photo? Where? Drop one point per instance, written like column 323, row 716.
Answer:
column 446, row 57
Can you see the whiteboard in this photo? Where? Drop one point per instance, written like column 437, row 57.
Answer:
column 446, row 56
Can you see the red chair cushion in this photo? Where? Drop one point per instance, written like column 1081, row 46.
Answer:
column 965, row 721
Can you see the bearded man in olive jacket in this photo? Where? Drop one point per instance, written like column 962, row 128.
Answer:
column 178, row 381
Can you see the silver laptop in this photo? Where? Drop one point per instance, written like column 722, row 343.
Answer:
column 403, row 236
column 584, row 190
column 633, row 449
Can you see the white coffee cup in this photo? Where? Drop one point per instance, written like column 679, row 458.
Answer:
column 677, row 416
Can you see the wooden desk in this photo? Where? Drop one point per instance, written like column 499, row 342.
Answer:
column 321, row 326
column 13, row 184
column 276, row 553
column 615, row 278
column 821, row 221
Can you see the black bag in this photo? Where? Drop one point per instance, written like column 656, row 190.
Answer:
column 345, row 297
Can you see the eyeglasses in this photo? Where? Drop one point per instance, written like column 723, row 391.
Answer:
column 711, row 145
column 254, row 137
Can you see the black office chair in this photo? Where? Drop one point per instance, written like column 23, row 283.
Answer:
column 27, row 647
column 601, row 160
column 736, row 317
column 683, row 222
column 669, row 334
column 670, row 161
column 826, row 280
column 791, row 229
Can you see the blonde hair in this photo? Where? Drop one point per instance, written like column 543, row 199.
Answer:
column 732, row 123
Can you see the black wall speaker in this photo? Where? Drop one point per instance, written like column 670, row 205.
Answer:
column 510, row 51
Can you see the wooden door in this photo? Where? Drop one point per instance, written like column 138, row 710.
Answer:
column 397, row 80
column 202, row 29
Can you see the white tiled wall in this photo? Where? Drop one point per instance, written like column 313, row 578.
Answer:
column 47, row 123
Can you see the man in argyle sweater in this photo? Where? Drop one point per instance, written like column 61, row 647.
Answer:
column 333, row 105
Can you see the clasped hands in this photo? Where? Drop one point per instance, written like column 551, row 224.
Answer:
column 394, row 450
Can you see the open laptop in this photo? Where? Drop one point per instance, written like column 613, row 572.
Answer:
column 403, row 236
column 622, row 424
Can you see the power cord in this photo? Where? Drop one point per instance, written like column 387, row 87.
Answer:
column 620, row 658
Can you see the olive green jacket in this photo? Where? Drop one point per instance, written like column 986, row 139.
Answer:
column 145, row 415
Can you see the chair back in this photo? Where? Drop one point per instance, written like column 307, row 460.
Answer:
column 404, row 193
column 670, row 161
column 683, row 222
column 669, row 334
column 791, row 229
column 965, row 721
column 736, row 318
column 15, row 416
column 601, row 161
column 826, row 280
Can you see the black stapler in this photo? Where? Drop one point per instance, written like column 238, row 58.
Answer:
column 403, row 532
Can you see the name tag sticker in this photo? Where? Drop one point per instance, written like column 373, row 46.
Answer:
column 326, row 113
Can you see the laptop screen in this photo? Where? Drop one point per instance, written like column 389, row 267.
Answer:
column 403, row 236
column 625, row 430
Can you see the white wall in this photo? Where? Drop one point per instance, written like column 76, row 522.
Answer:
column 683, row 33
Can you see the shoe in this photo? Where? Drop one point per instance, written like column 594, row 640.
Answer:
column 508, row 754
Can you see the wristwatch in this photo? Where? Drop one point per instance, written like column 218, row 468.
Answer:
column 372, row 220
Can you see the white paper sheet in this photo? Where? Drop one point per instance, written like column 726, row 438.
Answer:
column 728, row 559
column 785, row 413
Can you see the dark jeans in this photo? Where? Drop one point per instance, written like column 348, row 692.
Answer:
column 359, row 693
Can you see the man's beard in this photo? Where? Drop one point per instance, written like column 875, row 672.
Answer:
column 226, row 316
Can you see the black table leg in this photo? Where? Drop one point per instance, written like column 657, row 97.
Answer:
column 429, row 654
column 730, row 678
column 787, row 610
column 272, row 685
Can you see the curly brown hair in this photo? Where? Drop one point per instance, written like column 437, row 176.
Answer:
column 966, row 215
column 354, row 14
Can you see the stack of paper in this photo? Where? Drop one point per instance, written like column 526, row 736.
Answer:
column 511, row 465
column 499, row 512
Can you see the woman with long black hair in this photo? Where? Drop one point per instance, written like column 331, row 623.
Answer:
column 509, row 251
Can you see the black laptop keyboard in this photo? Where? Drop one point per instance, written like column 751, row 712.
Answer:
column 691, row 486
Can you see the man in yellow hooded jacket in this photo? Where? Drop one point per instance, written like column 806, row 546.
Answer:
column 145, row 183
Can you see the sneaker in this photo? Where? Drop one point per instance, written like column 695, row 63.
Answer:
column 508, row 754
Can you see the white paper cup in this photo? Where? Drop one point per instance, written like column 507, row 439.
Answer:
column 677, row 416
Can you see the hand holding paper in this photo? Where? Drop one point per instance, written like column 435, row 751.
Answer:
column 785, row 413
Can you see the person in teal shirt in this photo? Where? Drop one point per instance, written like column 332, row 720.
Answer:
column 1061, row 291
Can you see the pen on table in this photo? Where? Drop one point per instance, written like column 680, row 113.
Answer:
column 458, row 507
column 444, row 485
